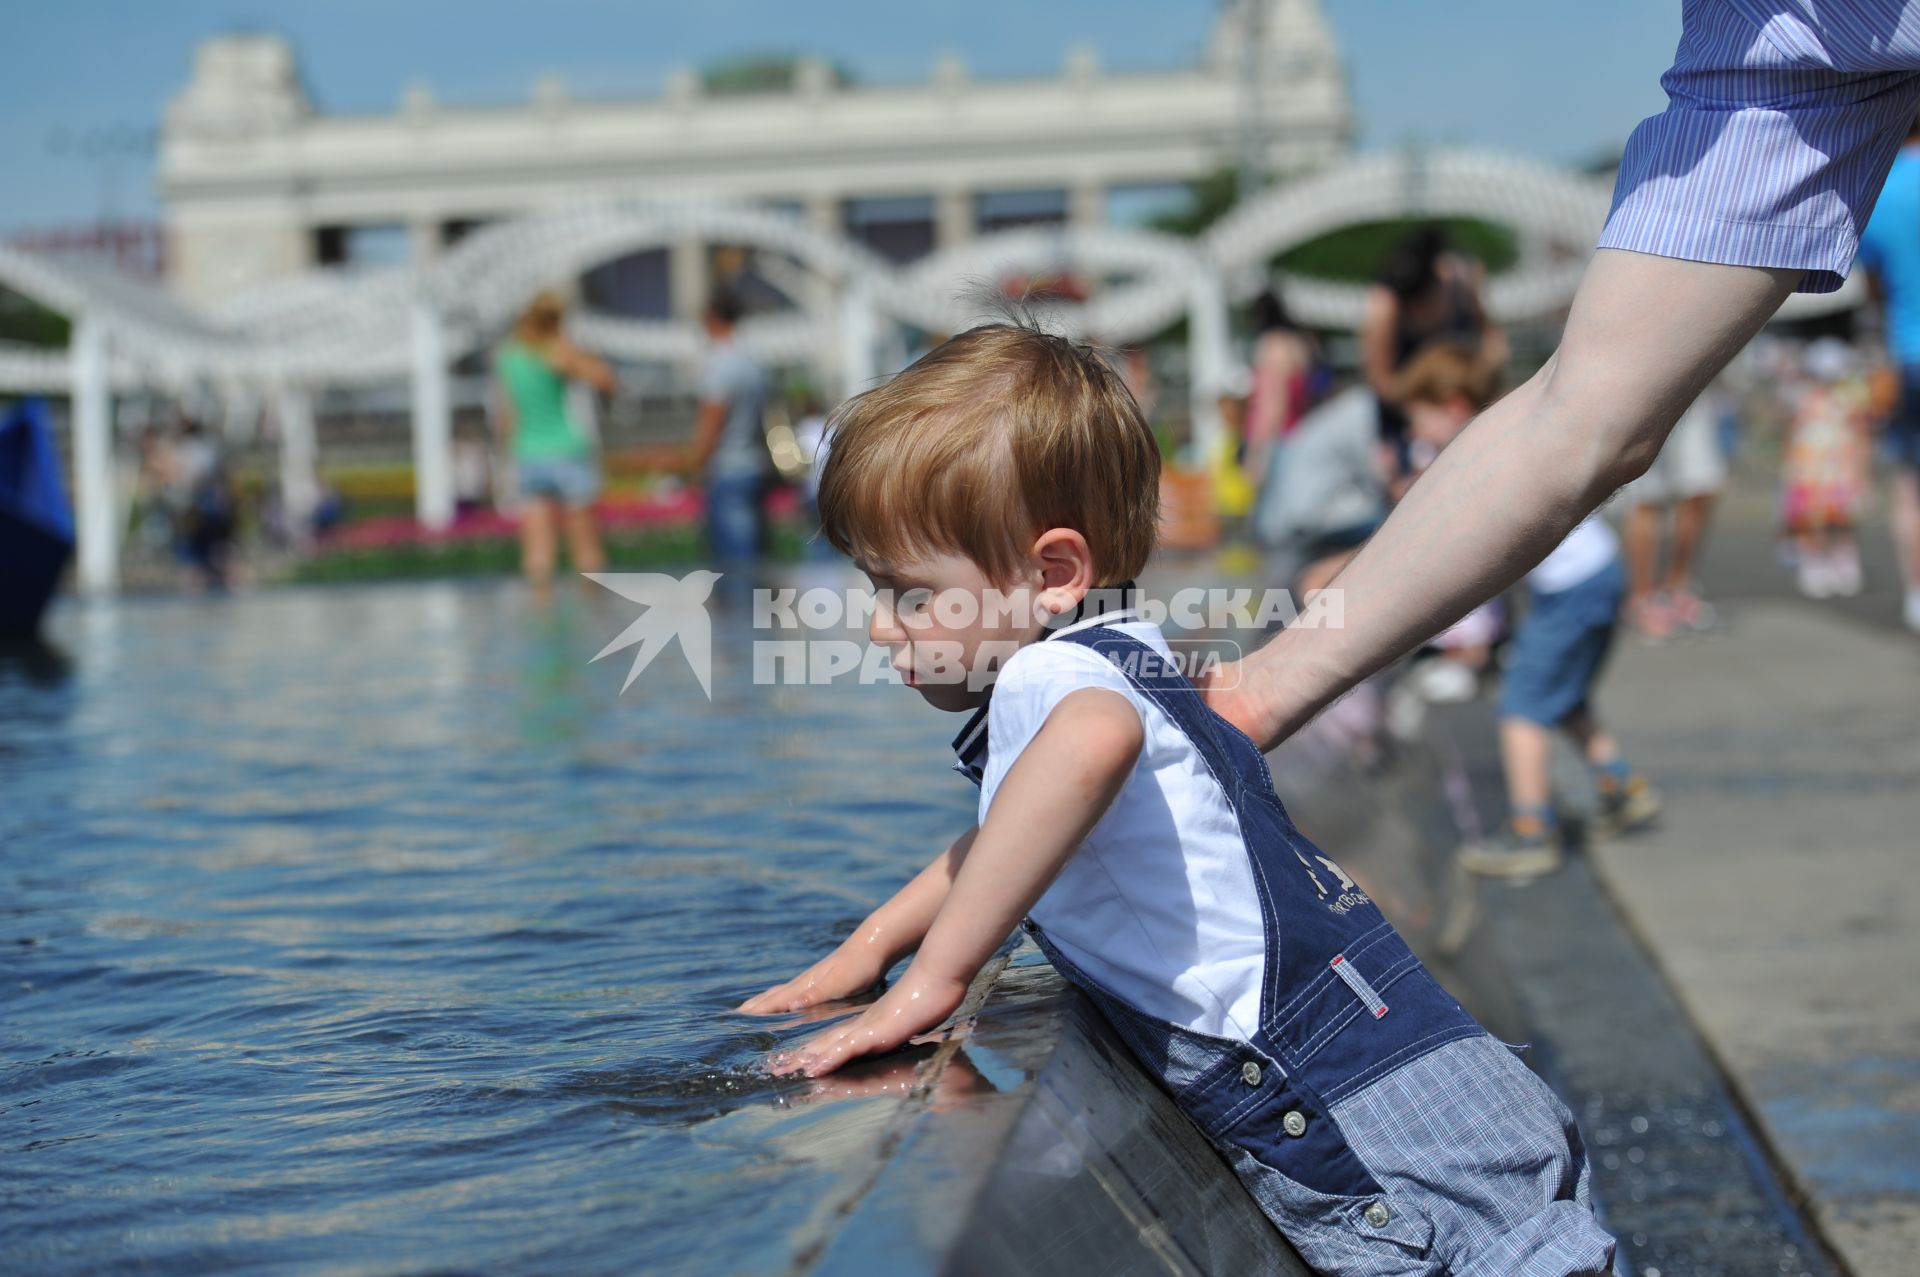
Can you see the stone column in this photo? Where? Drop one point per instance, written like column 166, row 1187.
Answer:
column 92, row 423
column 299, row 493
column 432, row 420
column 425, row 239
column 1087, row 204
column 953, row 221
column 1207, row 362
column 859, row 337
column 687, row 281
column 823, row 215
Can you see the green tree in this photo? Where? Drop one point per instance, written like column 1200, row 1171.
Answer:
column 1355, row 254
column 27, row 322
column 1208, row 199
column 1351, row 254
column 763, row 73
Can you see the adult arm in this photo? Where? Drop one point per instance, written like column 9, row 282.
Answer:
column 1377, row 323
column 1645, row 336
column 712, row 419
column 684, row 458
column 571, row 361
column 505, row 419
column 1495, row 349
column 1275, row 361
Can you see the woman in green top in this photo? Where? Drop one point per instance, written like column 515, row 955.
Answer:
column 559, row 477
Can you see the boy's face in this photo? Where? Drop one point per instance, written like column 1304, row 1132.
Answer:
column 947, row 627
column 1437, row 424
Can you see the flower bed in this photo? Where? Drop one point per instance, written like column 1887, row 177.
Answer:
column 639, row 532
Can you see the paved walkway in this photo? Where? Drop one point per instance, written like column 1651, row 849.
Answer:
column 1781, row 896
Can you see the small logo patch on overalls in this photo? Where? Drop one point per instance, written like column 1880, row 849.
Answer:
column 1358, row 983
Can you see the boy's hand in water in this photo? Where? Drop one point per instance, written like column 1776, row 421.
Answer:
column 890, row 933
column 852, row 968
column 1059, row 786
column 910, row 1007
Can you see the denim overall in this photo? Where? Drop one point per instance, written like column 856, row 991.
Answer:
column 1344, row 1005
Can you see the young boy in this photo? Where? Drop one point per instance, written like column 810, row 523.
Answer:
column 1574, row 600
column 1001, row 494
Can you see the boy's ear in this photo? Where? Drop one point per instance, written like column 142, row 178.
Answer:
column 1065, row 564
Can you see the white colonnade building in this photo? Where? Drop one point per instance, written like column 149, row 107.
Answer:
column 266, row 202
column 258, row 184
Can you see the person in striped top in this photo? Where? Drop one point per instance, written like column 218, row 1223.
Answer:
column 1783, row 119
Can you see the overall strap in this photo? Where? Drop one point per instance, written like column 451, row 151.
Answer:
column 1310, row 909
column 1343, row 1000
column 1227, row 750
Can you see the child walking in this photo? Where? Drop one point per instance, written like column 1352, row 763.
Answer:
column 1825, row 471
column 1558, row 651
column 1001, row 495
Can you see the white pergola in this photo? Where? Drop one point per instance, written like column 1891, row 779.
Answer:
column 281, row 343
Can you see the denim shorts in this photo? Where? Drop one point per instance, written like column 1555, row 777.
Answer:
column 572, row 481
column 1561, row 647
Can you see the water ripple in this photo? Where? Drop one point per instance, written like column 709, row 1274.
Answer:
column 373, row 930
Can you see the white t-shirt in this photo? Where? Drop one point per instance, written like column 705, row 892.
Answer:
column 1158, row 903
column 1588, row 548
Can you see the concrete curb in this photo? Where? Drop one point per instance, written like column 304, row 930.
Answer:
column 1031, row 1144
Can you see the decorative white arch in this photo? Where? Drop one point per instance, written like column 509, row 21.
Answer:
column 1146, row 282
column 1146, row 276
column 491, row 274
column 1563, row 209
column 286, row 339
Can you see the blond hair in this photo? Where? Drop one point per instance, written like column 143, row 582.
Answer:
column 1445, row 370
column 539, row 323
column 985, row 442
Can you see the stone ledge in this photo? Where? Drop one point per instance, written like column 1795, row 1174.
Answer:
column 1031, row 1143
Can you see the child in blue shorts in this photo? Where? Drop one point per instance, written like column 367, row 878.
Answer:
column 1001, row 494
column 1574, row 599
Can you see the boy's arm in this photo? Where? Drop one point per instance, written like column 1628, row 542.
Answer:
column 889, row 933
column 1056, row 791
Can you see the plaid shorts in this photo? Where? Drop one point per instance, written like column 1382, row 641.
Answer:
column 1483, row 1168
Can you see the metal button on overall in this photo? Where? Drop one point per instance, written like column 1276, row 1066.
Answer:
column 1376, row 1214
column 1250, row 1073
column 1294, row 1123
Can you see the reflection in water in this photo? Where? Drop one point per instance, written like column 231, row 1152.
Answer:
column 373, row 930
column 34, row 661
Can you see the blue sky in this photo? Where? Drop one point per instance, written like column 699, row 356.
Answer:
column 1555, row 79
